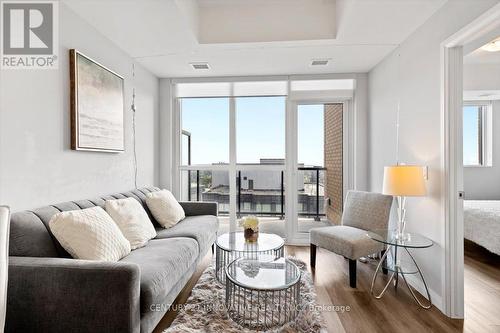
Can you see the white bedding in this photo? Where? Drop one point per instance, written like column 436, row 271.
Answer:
column 482, row 223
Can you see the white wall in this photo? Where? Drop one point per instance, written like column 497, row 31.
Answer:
column 482, row 76
column 418, row 85
column 37, row 166
column 361, row 137
column 166, row 134
column 483, row 182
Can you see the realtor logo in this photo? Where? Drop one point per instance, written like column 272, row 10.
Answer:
column 29, row 34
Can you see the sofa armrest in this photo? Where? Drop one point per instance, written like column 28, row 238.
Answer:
column 68, row 295
column 193, row 208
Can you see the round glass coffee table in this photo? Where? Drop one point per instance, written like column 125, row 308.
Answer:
column 393, row 261
column 262, row 292
column 232, row 245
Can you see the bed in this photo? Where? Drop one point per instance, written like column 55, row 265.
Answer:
column 482, row 223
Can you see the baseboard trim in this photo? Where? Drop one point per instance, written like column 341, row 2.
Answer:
column 436, row 299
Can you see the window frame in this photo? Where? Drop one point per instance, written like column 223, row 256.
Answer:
column 485, row 135
column 347, row 97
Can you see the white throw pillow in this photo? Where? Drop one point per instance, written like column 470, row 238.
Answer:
column 89, row 234
column 133, row 221
column 165, row 209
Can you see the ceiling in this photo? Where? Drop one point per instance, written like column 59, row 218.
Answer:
column 255, row 37
column 481, row 95
column 480, row 56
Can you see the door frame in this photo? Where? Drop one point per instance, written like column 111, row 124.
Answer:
column 452, row 51
column 294, row 237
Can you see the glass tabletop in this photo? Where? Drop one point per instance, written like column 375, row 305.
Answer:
column 264, row 273
column 402, row 265
column 235, row 241
column 387, row 236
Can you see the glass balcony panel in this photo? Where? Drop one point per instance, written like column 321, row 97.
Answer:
column 206, row 185
column 311, row 198
column 260, row 193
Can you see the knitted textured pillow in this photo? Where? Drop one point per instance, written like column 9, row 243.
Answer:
column 89, row 234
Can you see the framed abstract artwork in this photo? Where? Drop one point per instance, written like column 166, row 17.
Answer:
column 97, row 106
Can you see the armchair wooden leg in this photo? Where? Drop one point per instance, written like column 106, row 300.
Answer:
column 352, row 273
column 384, row 270
column 313, row 256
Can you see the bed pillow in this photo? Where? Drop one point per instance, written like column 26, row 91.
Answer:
column 133, row 221
column 89, row 234
column 165, row 208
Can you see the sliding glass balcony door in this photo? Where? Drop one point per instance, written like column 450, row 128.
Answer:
column 310, row 166
column 317, row 132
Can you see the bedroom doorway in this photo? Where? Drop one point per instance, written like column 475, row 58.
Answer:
column 469, row 99
column 481, row 176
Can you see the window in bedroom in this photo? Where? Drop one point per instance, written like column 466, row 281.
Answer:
column 477, row 134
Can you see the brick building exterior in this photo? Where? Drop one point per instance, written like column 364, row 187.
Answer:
column 333, row 117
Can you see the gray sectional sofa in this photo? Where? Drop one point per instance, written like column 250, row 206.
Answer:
column 48, row 291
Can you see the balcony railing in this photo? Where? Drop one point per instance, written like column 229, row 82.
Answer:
column 201, row 186
column 316, row 171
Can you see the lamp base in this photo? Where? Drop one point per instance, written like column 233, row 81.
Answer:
column 400, row 233
column 401, row 236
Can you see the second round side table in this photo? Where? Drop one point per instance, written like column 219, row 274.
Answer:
column 232, row 245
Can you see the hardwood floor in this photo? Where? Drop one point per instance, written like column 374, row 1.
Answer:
column 396, row 312
column 482, row 289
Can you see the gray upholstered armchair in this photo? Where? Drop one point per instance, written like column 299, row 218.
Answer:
column 4, row 256
column 362, row 211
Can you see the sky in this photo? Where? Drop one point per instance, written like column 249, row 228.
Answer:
column 260, row 130
column 470, row 135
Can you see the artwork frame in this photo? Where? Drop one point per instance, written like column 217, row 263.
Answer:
column 97, row 106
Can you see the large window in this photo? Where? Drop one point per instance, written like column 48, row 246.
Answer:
column 477, row 134
column 205, row 127
column 260, row 129
column 239, row 143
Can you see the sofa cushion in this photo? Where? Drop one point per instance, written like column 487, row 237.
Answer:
column 89, row 234
column 132, row 195
column 45, row 214
column 30, row 233
column 131, row 218
column 84, row 204
column 163, row 262
column 142, row 199
column 165, row 208
column 203, row 228
column 98, row 202
column 29, row 236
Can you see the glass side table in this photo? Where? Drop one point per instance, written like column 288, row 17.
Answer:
column 396, row 264
column 232, row 245
column 262, row 292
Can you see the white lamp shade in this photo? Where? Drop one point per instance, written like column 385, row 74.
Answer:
column 404, row 180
